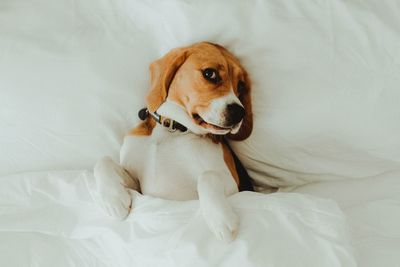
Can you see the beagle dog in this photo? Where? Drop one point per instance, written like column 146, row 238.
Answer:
column 199, row 97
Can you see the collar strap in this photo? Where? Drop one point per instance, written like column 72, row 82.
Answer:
column 168, row 123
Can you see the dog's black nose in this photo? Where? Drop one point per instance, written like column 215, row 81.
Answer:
column 235, row 113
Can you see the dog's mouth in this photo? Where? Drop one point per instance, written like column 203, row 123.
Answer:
column 207, row 125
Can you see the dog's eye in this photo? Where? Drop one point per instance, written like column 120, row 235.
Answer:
column 211, row 75
column 241, row 87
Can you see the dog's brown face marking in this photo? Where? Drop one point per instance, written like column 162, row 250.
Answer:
column 210, row 83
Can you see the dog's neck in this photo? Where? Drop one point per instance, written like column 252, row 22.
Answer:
column 176, row 112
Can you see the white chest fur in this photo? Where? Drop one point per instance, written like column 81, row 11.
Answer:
column 168, row 165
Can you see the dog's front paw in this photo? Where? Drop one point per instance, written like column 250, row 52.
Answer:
column 116, row 207
column 223, row 222
column 106, row 187
column 113, row 199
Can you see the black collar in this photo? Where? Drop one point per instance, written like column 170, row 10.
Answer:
column 171, row 124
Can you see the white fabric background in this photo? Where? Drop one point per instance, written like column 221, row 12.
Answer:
column 325, row 74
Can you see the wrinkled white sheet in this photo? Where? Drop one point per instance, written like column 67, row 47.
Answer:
column 372, row 210
column 49, row 219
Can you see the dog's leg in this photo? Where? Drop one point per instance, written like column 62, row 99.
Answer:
column 219, row 215
column 109, row 188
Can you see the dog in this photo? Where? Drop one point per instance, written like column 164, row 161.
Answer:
column 199, row 96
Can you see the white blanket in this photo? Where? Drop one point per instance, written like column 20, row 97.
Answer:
column 49, row 219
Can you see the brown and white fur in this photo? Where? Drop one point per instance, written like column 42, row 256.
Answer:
column 190, row 165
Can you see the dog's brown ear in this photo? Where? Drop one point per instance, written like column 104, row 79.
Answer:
column 245, row 97
column 247, row 124
column 162, row 72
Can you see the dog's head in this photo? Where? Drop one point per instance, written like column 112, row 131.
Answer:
column 209, row 83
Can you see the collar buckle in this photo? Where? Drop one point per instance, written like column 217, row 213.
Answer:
column 169, row 124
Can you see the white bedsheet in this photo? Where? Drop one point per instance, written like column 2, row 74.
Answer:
column 326, row 94
column 49, row 219
column 372, row 210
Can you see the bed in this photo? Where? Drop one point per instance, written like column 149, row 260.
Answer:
column 326, row 77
